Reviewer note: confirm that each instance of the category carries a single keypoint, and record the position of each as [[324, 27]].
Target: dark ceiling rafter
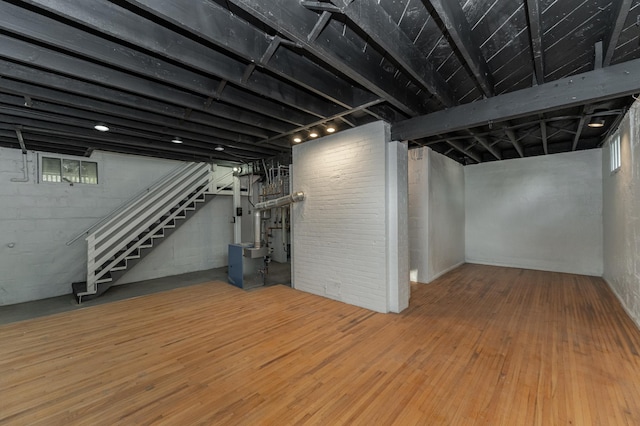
[[535, 34], [249, 74], [220, 27], [120, 25], [296, 22], [52, 109], [620, 12], [611, 82], [458, 29], [372, 19], [74, 92]]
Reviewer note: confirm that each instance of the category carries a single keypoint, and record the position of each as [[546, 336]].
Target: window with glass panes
[[69, 171]]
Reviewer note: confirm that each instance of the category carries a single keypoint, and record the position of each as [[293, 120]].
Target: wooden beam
[[456, 24], [543, 134], [576, 138], [458, 146], [515, 142], [485, 143], [620, 14], [593, 86], [535, 33], [374, 21], [296, 22]]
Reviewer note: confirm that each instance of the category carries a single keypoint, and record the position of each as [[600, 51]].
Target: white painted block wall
[[38, 219], [436, 214], [539, 213], [340, 231], [621, 216]]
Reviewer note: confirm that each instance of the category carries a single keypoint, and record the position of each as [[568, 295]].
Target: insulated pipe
[[265, 205], [257, 223], [279, 202]]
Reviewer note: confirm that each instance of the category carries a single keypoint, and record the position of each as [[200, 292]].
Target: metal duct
[[265, 205]]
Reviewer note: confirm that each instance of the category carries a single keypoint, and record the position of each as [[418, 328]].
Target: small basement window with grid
[[614, 153], [69, 171]]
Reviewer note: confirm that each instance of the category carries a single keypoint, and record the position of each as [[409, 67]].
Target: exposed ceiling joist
[[457, 26], [295, 21], [220, 27], [535, 33], [161, 41], [466, 151], [593, 86], [515, 142], [487, 145], [372, 19], [620, 13]]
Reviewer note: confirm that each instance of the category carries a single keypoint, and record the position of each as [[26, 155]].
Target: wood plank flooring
[[480, 346]]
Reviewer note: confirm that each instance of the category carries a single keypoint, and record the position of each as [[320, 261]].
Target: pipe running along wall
[[265, 205]]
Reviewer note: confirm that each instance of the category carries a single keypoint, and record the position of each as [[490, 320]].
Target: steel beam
[[593, 86]]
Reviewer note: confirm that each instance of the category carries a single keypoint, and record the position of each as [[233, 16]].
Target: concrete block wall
[[38, 219], [621, 218], [436, 214], [538, 213], [340, 232]]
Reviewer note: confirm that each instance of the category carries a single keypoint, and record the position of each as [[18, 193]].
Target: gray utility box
[[245, 264]]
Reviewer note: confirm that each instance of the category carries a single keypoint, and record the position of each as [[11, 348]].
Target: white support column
[[237, 225]]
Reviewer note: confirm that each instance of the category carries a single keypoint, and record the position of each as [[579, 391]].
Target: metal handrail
[[145, 216], [169, 176]]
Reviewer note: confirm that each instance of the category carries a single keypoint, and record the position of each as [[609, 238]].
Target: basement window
[[614, 153], [67, 170]]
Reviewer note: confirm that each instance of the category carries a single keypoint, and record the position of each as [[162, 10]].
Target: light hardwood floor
[[482, 345]]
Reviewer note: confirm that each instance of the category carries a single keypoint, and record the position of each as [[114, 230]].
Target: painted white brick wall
[[621, 218], [39, 218], [539, 213], [340, 230]]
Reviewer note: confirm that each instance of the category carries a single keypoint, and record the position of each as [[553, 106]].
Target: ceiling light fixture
[[297, 139], [331, 129], [313, 134], [101, 127], [219, 148], [596, 122], [176, 140]]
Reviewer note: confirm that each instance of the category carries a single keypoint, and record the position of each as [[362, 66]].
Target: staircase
[[125, 237]]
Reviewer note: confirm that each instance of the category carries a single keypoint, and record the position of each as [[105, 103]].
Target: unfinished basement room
[[332, 212]]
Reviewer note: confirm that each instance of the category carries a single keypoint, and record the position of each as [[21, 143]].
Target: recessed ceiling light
[[297, 139], [596, 122], [176, 140], [313, 134], [219, 148], [101, 127], [331, 129]]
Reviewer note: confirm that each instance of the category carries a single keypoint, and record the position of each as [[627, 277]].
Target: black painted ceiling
[[250, 75]]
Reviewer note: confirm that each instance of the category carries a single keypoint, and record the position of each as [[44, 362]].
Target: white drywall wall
[[419, 215], [621, 214], [446, 215], [38, 219], [539, 212], [340, 232], [436, 214]]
